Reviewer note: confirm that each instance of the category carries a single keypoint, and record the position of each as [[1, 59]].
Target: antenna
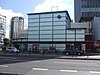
[[54, 8]]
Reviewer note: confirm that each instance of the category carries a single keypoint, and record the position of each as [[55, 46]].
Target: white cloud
[[9, 14], [54, 5]]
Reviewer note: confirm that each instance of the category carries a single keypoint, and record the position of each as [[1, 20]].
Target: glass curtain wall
[[48, 27], [75, 35], [45, 27]]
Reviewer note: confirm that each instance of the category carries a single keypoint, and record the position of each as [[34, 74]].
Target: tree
[[6, 41]]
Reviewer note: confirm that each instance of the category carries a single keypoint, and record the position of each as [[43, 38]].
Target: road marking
[[73, 63], [35, 61], [3, 65], [40, 69], [69, 71], [96, 72], [62, 62]]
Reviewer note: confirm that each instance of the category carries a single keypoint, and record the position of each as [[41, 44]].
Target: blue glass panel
[[59, 23], [71, 39], [46, 24], [33, 24], [80, 39], [33, 20], [45, 15], [45, 32], [58, 39], [71, 36], [45, 36], [33, 16], [46, 28], [59, 27], [80, 31], [45, 39], [45, 19], [33, 36], [58, 36], [33, 28], [80, 36], [58, 31]]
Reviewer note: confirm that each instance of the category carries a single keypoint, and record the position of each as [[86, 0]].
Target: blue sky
[[11, 8], [20, 6]]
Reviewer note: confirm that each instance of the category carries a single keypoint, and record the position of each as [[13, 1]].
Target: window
[[71, 36], [45, 39], [80, 40], [80, 36], [33, 32], [58, 39], [45, 28], [45, 19], [45, 15], [32, 39], [45, 36], [46, 24], [33, 24], [33, 20], [70, 31], [33, 16], [58, 36], [69, 39], [33, 36], [45, 32], [59, 27], [58, 31], [59, 23], [33, 28], [80, 31]]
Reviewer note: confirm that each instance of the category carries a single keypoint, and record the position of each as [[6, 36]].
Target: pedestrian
[[56, 52], [29, 51], [43, 52], [4, 49]]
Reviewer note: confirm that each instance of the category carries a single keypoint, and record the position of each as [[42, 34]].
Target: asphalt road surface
[[46, 66]]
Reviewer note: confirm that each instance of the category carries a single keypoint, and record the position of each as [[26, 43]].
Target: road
[[48, 66]]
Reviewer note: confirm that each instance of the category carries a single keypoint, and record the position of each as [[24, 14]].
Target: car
[[75, 51], [12, 49]]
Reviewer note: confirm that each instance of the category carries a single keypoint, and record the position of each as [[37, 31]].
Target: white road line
[[40, 69], [3, 65], [35, 61], [69, 71], [63, 62], [96, 72]]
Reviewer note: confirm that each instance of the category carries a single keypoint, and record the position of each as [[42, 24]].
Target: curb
[[48, 56], [80, 58]]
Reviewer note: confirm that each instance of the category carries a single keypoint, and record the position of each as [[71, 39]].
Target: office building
[[17, 24], [86, 10], [52, 30], [96, 30], [2, 27]]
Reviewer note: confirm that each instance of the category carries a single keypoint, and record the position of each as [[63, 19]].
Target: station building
[[52, 31]]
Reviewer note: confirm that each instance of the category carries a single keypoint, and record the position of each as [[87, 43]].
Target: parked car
[[12, 49], [75, 51]]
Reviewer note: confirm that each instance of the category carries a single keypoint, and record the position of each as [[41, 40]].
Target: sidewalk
[[59, 56], [96, 57]]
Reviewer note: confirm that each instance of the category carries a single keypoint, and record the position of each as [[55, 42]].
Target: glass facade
[[52, 27], [75, 34], [85, 10], [48, 26]]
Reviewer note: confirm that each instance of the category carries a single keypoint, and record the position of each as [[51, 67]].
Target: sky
[[10, 8]]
